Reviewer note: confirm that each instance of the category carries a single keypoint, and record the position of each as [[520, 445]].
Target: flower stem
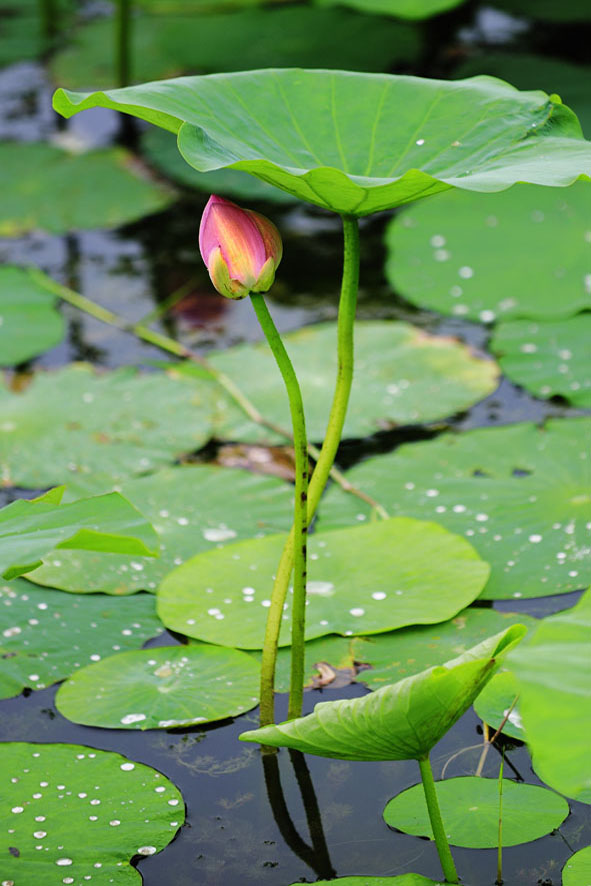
[[336, 420], [445, 856], [300, 521], [122, 41]]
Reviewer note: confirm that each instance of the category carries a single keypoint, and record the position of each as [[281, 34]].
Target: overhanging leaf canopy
[[358, 143], [398, 722]]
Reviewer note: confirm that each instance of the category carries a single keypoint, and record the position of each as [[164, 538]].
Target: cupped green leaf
[[159, 147], [358, 143], [402, 721], [45, 188], [470, 810], [520, 494], [522, 253], [45, 635], [577, 870], [554, 674], [411, 9], [162, 688], [364, 580], [29, 322], [90, 811], [549, 359], [402, 376], [31, 528], [193, 508], [181, 42], [117, 424], [497, 705], [410, 650]]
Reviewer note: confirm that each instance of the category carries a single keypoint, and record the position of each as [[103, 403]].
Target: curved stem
[[443, 850], [336, 420], [299, 529]]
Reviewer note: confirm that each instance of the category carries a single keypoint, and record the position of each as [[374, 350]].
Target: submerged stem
[[299, 529], [336, 420], [443, 850]]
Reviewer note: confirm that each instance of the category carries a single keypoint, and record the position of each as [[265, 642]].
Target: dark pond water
[[285, 818]]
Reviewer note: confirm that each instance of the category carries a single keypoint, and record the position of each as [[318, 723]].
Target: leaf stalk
[[443, 850]]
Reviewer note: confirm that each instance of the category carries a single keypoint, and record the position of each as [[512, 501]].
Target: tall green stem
[[336, 420], [300, 520], [445, 856], [122, 41]]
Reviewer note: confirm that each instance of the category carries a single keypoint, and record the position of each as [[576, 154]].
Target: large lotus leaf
[[89, 811], [537, 72], [357, 143], [496, 705], [402, 721], [76, 421], [521, 494], [161, 688], [363, 580], [554, 674], [177, 43], [159, 147], [29, 529], [548, 359], [577, 870], [470, 810], [548, 10], [29, 323], [402, 376], [193, 508], [45, 188], [410, 9], [410, 650], [403, 880], [525, 252], [46, 635]]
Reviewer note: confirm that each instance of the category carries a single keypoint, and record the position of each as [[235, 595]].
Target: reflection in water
[[316, 855]]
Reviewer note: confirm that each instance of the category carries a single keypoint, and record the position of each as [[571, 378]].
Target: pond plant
[[353, 144]]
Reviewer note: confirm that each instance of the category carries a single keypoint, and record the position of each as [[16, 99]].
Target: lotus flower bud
[[241, 248]]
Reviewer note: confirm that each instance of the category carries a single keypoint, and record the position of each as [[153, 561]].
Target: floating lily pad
[[177, 43], [45, 188], [497, 702], [410, 650], [548, 359], [402, 721], [537, 72], [31, 528], [470, 811], [162, 688], [76, 421], [520, 494], [577, 870], [358, 143], [91, 811], [363, 580], [194, 508], [402, 376], [554, 674], [526, 252], [160, 149], [29, 322], [411, 9], [45, 635]]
